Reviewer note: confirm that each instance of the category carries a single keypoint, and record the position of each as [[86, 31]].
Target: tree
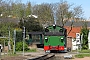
[[85, 31], [28, 9], [31, 24], [54, 8], [44, 13], [10, 8], [4, 28], [66, 12], [63, 13], [77, 12], [20, 10]]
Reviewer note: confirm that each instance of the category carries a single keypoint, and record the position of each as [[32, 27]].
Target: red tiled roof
[[73, 31]]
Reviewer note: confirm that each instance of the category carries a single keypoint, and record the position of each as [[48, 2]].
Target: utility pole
[[4, 48], [23, 39], [14, 41], [9, 46]]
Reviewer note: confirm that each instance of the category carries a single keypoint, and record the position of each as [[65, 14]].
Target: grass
[[79, 56], [9, 55], [82, 55], [30, 50], [84, 51]]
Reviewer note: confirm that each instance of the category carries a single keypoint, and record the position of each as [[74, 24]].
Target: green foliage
[[31, 24], [4, 31], [5, 27], [85, 31], [19, 46], [28, 9], [19, 35], [2, 40]]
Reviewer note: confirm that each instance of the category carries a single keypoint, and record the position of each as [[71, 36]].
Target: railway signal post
[[23, 39]]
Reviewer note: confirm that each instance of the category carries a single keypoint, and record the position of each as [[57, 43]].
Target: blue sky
[[84, 3]]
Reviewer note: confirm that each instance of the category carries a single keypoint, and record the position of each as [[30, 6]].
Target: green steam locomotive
[[55, 38]]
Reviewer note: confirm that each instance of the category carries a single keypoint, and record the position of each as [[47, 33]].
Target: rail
[[44, 57]]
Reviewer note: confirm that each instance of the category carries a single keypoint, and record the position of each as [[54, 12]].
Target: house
[[71, 33], [77, 26], [89, 40]]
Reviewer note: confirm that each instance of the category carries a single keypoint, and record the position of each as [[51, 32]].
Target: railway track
[[48, 56]]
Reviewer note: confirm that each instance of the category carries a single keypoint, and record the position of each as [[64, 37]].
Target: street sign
[[77, 41], [78, 38], [77, 35]]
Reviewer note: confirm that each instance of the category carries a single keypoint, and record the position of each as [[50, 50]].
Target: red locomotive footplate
[[53, 47]]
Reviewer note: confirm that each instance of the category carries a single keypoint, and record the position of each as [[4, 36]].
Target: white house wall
[[89, 40], [74, 46]]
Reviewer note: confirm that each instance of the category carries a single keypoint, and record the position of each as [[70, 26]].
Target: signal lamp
[[45, 27], [46, 39], [54, 26], [61, 39]]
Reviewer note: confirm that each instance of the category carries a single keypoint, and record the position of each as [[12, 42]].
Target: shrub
[[19, 46]]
